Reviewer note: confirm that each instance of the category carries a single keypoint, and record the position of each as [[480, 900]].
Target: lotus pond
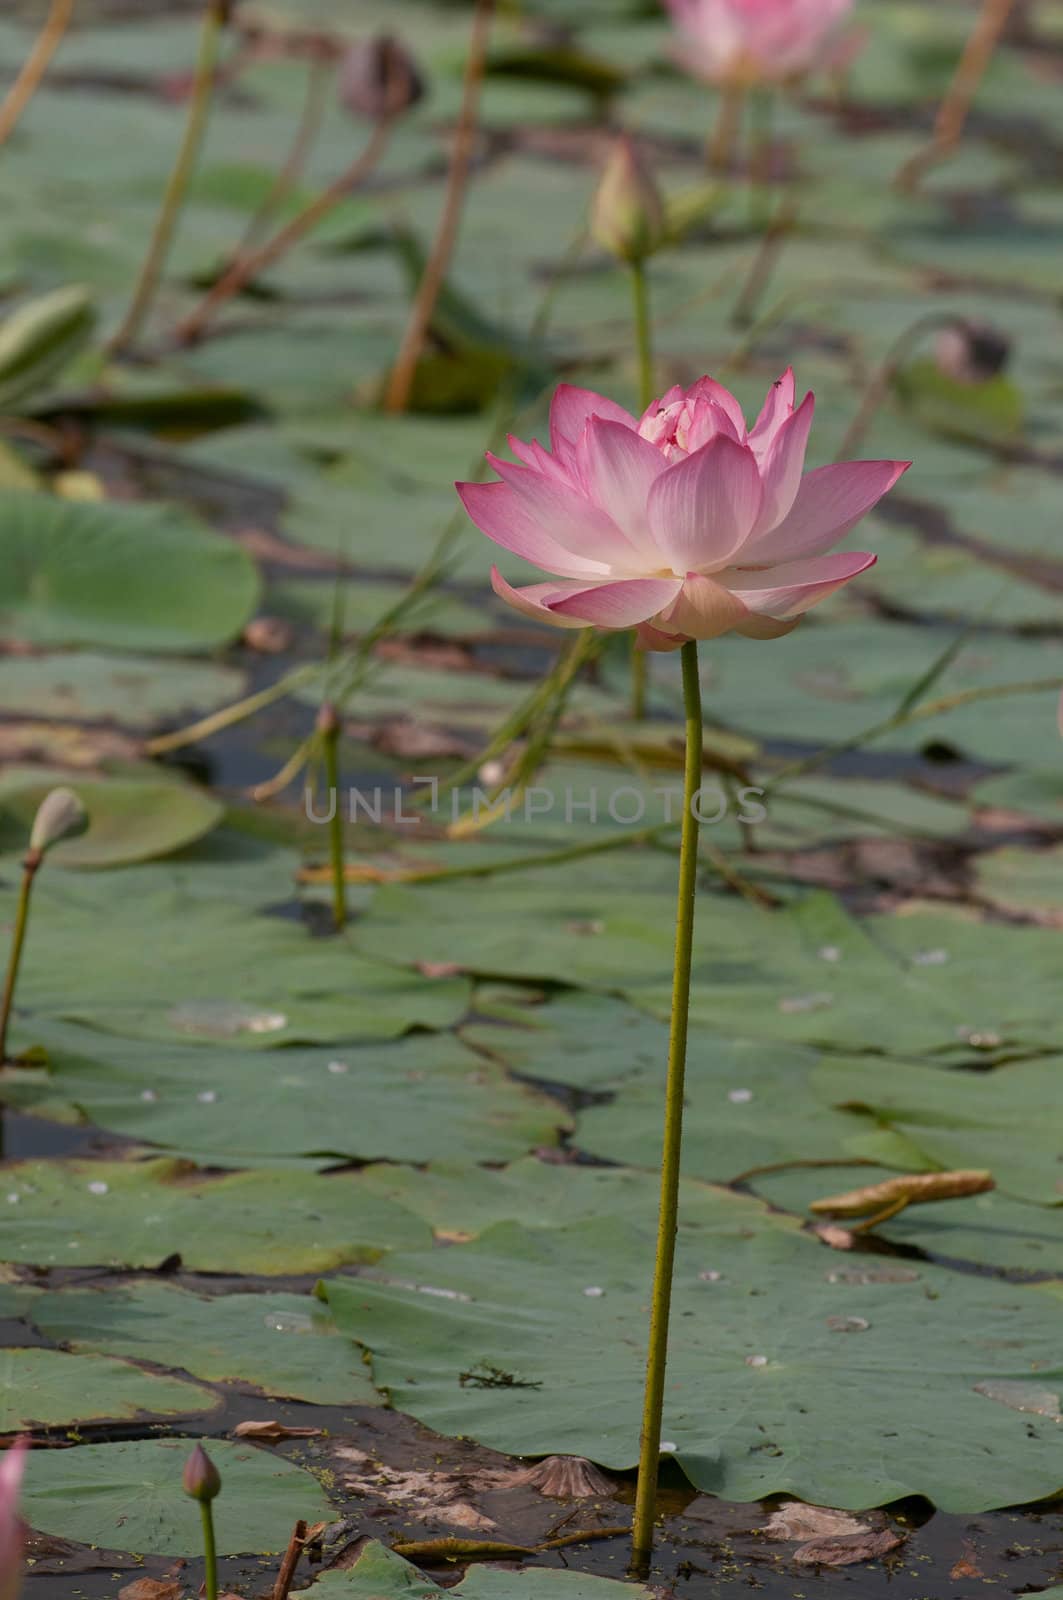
[[334, 1079]]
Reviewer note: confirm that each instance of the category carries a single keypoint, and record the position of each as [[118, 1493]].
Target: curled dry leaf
[[796, 1520], [150, 1589], [270, 1432], [844, 1552]]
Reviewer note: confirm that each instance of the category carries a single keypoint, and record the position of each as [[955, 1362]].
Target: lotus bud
[[627, 213], [972, 352], [201, 1479], [379, 78], [60, 816]]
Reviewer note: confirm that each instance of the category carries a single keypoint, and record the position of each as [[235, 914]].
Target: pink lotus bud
[[379, 78], [972, 352], [627, 214], [12, 1531], [201, 1479]]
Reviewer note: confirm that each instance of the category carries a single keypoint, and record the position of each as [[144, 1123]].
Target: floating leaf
[[129, 819], [128, 1496], [119, 576], [47, 1388]]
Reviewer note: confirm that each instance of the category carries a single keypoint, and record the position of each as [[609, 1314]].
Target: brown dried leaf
[[796, 1520], [270, 1432], [843, 1552], [149, 1589]]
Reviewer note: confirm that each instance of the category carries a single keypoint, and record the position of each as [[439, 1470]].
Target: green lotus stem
[[657, 1356], [328, 726], [214, 19], [761, 119], [29, 78], [209, 1551], [18, 939], [643, 341]]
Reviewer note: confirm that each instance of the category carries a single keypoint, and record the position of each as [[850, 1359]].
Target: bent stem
[[209, 1551], [400, 383], [640, 300], [173, 199], [249, 266], [956, 106], [18, 939], [650, 1444], [36, 65]]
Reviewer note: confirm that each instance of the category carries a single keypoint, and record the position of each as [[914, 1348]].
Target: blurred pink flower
[[12, 1532], [748, 41], [684, 524]]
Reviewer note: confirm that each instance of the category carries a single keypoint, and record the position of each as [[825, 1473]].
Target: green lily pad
[[1022, 880], [460, 1202], [139, 1213], [47, 1388], [411, 1100], [283, 1344], [379, 1574], [128, 1496], [138, 692], [129, 819], [770, 1334], [208, 968], [119, 576]]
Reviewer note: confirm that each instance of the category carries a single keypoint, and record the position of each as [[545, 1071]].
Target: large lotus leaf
[[47, 1388], [1009, 1120], [990, 1230], [411, 1100], [808, 972], [168, 956], [791, 1369], [1038, 792], [119, 576], [129, 818], [946, 581], [140, 1213], [460, 1202], [137, 692], [284, 1344], [128, 1496], [379, 1574]]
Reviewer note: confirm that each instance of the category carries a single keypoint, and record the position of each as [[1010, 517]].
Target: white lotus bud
[[60, 815]]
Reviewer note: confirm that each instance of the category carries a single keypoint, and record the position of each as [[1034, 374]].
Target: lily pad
[[137, 692], [379, 1574], [47, 1388], [128, 1496], [283, 1344], [410, 1100], [119, 576], [769, 1338], [140, 1213], [129, 819]]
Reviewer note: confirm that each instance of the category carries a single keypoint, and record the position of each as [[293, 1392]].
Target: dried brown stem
[[290, 1562], [35, 66], [245, 268], [956, 106], [400, 383]]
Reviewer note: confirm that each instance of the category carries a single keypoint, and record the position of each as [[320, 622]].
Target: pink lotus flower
[[683, 524], [746, 41], [12, 1532]]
